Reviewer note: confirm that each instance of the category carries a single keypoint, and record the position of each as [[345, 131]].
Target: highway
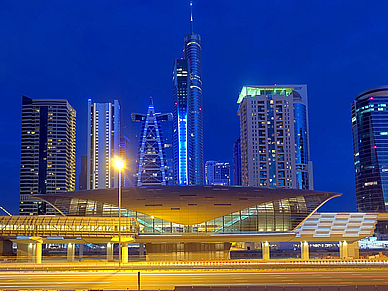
[[169, 279]]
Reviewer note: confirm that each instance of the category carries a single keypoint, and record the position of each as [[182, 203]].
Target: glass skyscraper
[[217, 173], [237, 163], [47, 152], [188, 115], [103, 144], [274, 136], [370, 144]]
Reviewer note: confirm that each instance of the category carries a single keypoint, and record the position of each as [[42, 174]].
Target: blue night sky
[[104, 50]]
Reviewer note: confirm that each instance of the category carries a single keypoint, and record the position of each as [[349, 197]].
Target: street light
[[119, 164]]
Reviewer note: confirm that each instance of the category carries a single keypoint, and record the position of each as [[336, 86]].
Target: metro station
[[187, 222]]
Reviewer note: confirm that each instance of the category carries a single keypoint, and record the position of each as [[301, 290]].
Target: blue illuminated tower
[[188, 115], [152, 160]]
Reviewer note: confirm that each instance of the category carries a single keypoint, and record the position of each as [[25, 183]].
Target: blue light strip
[[182, 141]]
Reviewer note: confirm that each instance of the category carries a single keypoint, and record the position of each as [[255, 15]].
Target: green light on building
[[254, 91]]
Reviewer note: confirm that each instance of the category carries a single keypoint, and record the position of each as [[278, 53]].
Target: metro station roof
[[189, 205]]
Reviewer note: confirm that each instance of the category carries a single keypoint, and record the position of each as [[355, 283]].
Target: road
[[168, 280]]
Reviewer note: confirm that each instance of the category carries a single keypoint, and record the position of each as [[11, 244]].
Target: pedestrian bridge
[[66, 226]]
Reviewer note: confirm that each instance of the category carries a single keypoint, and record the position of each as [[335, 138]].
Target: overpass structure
[[30, 232], [189, 222]]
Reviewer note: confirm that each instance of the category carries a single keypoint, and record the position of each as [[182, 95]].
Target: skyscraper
[[125, 156], [370, 144], [152, 164], [274, 136], [188, 115], [237, 163], [217, 173], [83, 175], [103, 144], [47, 152]]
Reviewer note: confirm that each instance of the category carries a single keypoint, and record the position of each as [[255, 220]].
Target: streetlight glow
[[119, 164]]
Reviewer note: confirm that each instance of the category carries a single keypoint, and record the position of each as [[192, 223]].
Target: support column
[[343, 246], [109, 251], [124, 252], [141, 250], [265, 250], [70, 252], [304, 250], [80, 251], [353, 250], [38, 253]]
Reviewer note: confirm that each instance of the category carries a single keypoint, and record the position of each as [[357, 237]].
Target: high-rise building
[[152, 166], [237, 163], [125, 156], [83, 175], [370, 144], [274, 136], [188, 114], [217, 173], [103, 144], [47, 152]]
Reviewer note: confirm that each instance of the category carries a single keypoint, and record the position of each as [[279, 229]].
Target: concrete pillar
[[5, 247], [343, 246], [304, 250], [70, 252], [109, 251], [353, 250], [124, 252], [141, 250], [265, 250], [80, 251], [38, 253]]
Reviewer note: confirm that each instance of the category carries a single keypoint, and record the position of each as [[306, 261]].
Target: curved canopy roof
[[188, 205]]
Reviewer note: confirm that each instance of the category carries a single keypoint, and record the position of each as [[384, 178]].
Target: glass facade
[[47, 152], [237, 163], [370, 144], [301, 143], [188, 115], [180, 138], [193, 54], [275, 216]]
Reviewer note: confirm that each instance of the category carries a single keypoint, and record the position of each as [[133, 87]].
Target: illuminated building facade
[[103, 144], [188, 116], [274, 136], [370, 144], [125, 156], [47, 152], [82, 177], [152, 166], [217, 173], [237, 163]]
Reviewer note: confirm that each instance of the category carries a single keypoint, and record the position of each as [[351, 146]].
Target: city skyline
[[329, 123]]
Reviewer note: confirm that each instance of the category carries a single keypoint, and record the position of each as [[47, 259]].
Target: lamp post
[[119, 165]]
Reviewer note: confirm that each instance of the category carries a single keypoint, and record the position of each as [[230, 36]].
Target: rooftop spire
[[191, 17]]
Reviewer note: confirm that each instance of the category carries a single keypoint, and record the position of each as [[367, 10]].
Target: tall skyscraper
[[125, 155], [370, 144], [237, 180], [274, 136], [217, 173], [83, 175], [47, 152], [103, 144], [188, 115], [152, 164]]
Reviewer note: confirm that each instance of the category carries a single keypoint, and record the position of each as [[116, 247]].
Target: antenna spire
[[191, 17]]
